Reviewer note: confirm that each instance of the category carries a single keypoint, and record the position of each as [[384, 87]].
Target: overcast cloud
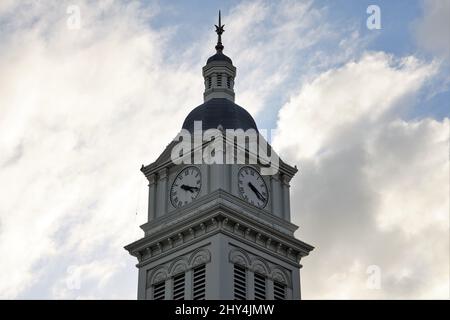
[[81, 110], [373, 188], [433, 29]]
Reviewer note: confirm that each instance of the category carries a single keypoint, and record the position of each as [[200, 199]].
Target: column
[[214, 80], [217, 169], [269, 292], [271, 191], [214, 276], [277, 200], [151, 197], [227, 177], [293, 292], [142, 285], [250, 284], [188, 285], [234, 179], [286, 198], [204, 169], [161, 203], [169, 289]]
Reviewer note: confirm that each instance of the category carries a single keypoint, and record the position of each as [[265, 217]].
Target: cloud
[[433, 29], [372, 188], [280, 45], [81, 110], [377, 83], [84, 108]]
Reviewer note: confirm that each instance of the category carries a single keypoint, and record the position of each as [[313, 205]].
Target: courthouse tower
[[218, 231]]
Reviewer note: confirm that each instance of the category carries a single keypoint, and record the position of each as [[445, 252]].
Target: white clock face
[[252, 187], [186, 186]]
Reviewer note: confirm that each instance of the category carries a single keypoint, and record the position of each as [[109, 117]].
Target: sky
[[91, 90]]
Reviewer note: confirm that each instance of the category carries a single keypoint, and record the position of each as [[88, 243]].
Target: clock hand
[[258, 194], [188, 188]]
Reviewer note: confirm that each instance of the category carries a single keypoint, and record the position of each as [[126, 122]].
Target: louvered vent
[[159, 291], [219, 80], [178, 287], [199, 283], [260, 287], [279, 291], [209, 82], [229, 82], [240, 283]]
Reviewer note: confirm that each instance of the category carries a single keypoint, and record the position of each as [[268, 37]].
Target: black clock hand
[[188, 188], [258, 194]]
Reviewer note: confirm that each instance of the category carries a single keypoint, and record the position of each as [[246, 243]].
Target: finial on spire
[[219, 31]]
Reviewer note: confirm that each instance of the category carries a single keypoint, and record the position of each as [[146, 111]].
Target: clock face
[[252, 187], [186, 186]]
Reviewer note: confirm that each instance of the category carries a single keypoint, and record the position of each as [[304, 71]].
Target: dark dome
[[219, 56], [220, 111]]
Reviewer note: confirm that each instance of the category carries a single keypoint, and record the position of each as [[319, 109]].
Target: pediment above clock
[[164, 160]]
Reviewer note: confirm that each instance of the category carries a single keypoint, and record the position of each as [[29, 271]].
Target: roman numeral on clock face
[[252, 187], [186, 186]]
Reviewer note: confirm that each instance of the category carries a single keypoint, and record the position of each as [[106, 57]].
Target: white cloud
[[81, 111], [89, 280], [372, 188], [277, 44], [84, 108], [433, 29], [377, 83]]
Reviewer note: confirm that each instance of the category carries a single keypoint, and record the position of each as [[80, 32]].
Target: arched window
[[178, 286], [260, 286], [199, 283], [240, 283], [159, 290], [279, 290]]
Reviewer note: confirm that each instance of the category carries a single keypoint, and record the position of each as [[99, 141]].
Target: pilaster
[[151, 197], [286, 197], [162, 192]]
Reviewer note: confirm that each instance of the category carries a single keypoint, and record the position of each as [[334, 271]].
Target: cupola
[[219, 72]]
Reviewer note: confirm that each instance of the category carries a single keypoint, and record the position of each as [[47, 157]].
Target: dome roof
[[219, 56], [220, 111]]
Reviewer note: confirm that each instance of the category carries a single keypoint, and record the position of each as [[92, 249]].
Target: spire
[[219, 72], [219, 31]]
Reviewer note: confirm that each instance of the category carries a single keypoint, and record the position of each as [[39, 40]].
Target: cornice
[[272, 242]]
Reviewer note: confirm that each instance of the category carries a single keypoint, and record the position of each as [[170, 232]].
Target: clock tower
[[219, 219]]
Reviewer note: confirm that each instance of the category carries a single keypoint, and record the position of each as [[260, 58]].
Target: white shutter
[[240, 283], [279, 290], [159, 291], [199, 283], [260, 287], [178, 286]]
